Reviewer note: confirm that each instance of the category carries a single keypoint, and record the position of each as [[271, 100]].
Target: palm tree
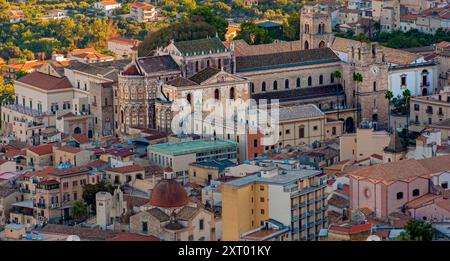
[[337, 75], [388, 95], [407, 95], [79, 210], [358, 78]]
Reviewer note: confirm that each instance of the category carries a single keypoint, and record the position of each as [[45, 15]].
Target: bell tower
[[366, 75], [315, 27]]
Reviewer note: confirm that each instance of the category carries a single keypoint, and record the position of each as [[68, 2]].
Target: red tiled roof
[[80, 138], [143, 5], [42, 173], [14, 153], [45, 82], [125, 236], [410, 17], [126, 169], [377, 156], [96, 163], [351, 229], [345, 190], [70, 149], [42, 149]]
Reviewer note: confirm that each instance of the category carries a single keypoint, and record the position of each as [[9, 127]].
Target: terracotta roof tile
[[45, 82], [125, 236], [80, 138], [42, 149], [69, 149], [126, 169]]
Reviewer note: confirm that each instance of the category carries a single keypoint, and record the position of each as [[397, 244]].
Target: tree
[[90, 190], [253, 34], [291, 27], [417, 230], [79, 210], [6, 92], [358, 78], [388, 96]]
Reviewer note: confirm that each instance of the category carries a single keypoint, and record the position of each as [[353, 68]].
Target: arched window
[[189, 98], [298, 82], [321, 79], [399, 195], [196, 66], [306, 45], [216, 94], [275, 85], [332, 78], [416, 192], [208, 63], [263, 86], [286, 84], [309, 81], [374, 86], [232, 93]]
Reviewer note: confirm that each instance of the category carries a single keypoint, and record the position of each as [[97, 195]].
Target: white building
[[107, 7], [142, 12]]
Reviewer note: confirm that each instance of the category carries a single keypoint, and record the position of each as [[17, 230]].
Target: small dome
[[168, 194]]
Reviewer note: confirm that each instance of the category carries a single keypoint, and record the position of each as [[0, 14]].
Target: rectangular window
[[301, 132], [416, 107], [262, 211], [201, 224]]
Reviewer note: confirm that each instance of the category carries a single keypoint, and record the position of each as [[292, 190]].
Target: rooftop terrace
[[194, 146]]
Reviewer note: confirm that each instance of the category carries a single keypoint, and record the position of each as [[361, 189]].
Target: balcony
[[41, 205], [24, 190], [440, 114], [429, 111], [54, 205]]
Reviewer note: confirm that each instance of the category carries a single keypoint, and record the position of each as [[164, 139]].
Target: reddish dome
[[168, 194]]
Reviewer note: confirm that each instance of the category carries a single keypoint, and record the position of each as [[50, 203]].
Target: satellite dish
[[73, 238], [373, 238]]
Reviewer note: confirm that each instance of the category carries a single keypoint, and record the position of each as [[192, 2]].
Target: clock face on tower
[[375, 70]]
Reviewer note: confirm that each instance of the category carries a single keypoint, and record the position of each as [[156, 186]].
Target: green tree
[[417, 230], [79, 210], [388, 96], [291, 27], [253, 34], [90, 190], [357, 78]]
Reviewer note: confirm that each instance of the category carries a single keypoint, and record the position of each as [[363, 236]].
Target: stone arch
[[322, 44], [349, 125], [424, 91], [306, 45], [216, 94]]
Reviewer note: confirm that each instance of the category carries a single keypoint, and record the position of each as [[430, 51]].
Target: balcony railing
[[41, 205], [24, 190]]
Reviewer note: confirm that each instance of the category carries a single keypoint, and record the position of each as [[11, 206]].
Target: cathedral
[[346, 79]]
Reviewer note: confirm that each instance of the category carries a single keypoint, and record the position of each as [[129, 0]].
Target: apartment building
[[427, 110], [294, 198], [142, 12]]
